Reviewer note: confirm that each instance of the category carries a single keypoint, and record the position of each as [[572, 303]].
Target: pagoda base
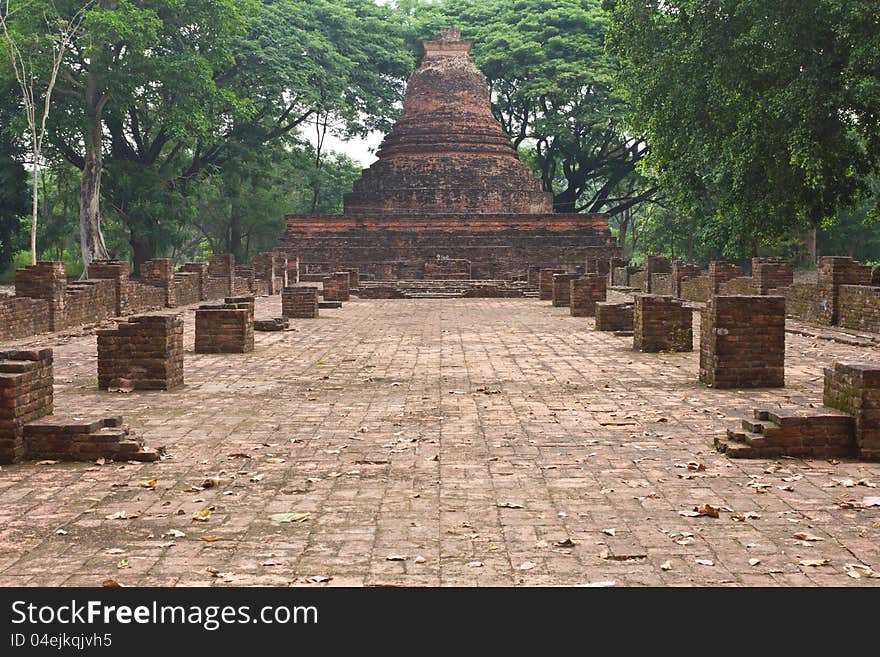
[[500, 247]]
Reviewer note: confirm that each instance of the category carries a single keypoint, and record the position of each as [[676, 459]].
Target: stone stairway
[[819, 433]]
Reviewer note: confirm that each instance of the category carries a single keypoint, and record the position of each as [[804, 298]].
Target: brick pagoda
[[447, 184]]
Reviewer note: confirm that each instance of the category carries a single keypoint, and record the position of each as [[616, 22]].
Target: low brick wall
[[585, 292], [299, 302], [26, 394], [854, 388], [661, 284], [186, 289], [146, 350], [859, 307], [562, 289], [380, 292], [661, 323], [771, 274], [739, 286], [742, 342], [614, 316], [89, 302], [721, 271], [21, 317], [83, 440], [138, 298], [810, 302], [217, 287], [697, 289], [639, 280]]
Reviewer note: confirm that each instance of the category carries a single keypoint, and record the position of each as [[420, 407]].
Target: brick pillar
[[742, 342], [299, 302], [854, 388], [225, 328], [222, 265], [265, 269], [835, 271], [147, 350], [680, 272], [336, 287], [562, 289], [545, 283], [661, 323], [614, 316], [159, 272], [26, 380], [45, 280], [354, 278], [585, 292], [721, 271], [201, 269], [533, 274], [771, 274], [655, 265], [117, 271]]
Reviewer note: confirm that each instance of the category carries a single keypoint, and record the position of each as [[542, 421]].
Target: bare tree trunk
[[91, 237], [34, 210]]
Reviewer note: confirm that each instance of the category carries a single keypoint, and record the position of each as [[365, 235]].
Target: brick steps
[[75, 440], [769, 434]]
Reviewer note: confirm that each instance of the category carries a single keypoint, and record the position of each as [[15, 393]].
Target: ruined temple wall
[[859, 307], [22, 316]]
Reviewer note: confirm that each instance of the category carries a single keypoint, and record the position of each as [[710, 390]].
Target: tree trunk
[[565, 201], [233, 243], [140, 252], [91, 237], [34, 209]]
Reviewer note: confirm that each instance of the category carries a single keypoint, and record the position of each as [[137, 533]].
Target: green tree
[[763, 114]]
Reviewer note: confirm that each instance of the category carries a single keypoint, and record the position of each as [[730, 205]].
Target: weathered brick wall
[[186, 289], [661, 323], [200, 269], [661, 284], [741, 286], [354, 278], [721, 271], [45, 280], [655, 264], [533, 275], [83, 440], [159, 272], [639, 280], [843, 270], [742, 342], [147, 350], [222, 265], [545, 283], [301, 302], [116, 271], [448, 269], [224, 328], [136, 297], [771, 273], [23, 316], [266, 269], [90, 301], [680, 271], [810, 302], [816, 434], [697, 288], [858, 307], [241, 285], [562, 289], [217, 287], [854, 388], [620, 276], [612, 316], [26, 394], [585, 292], [336, 287]]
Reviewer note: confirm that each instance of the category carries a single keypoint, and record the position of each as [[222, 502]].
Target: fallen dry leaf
[[666, 565], [202, 516], [510, 505], [806, 536], [290, 517], [754, 562], [611, 531], [814, 562], [123, 515], [396, 557], [704, 562], [527, 565], [149, 484]]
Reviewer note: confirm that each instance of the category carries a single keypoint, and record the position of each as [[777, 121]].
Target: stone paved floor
[[438, 442]]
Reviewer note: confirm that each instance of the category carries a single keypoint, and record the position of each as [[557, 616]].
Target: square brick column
[[336, 286], [661, 323], [222, 265], [26, 380], [45, 280], [533, 275], [115, 270], [159, 272], [585, 292], [354, 278], [742, 342], [562, 289], [771, 274], [612, 316], [147, 350], [854, 388], [545, 283], [835, 271], [201, 269], [680, 272], [226, 328], [655, 265], [721, 271], [299, 302], [266, 269]]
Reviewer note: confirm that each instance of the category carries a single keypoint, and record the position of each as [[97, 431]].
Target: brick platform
[[807, 433], [562, 289], [742, 342], [336, 287], [299, 302], [585, 292], [661, 323], [84, 440], [854, 388], [225, 328], [612, 316], [146, 350], [545, 283]]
